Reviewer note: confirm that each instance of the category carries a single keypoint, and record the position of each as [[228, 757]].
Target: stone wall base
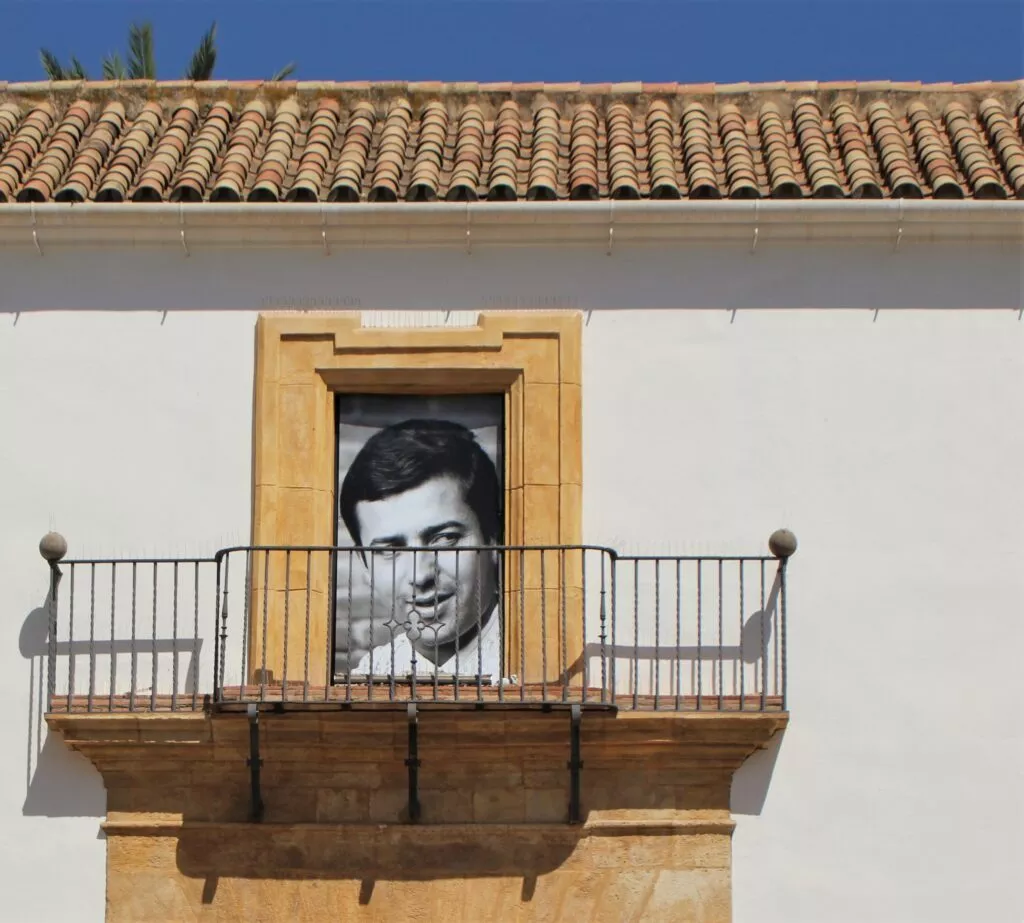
[[166, 872]]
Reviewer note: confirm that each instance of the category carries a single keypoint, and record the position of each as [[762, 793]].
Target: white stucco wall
[[776, 394]]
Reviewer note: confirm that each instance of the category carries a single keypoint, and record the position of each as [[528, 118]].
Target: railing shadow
[[58, 781]]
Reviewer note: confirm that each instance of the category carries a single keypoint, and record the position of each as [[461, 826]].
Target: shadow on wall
[[752, 780], [59, 782]]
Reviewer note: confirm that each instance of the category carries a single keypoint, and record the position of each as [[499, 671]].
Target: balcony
[[321, 628]]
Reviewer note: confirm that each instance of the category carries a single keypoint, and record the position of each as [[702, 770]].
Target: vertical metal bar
[[782, 625], [742, 666], [763, 649], [348, 631], [543, 629], [583, 617], [71, 642], [563, 653], [721, 691], [373, 608], [113, 633], [413, 665], [133, 651], [330, 653], [615, 655], [457, 668], [657, 633], [636, 633], [287, 621], [220, 667], [679, 631], [51, 639], [499, 614], [522, 627], [775, 640], [266, 601], [92, 634], [479, 636], [603, 616], [700, 631], [174, 643], [152, 691], [437, 651], [393, 626], [331, 604], [195, 636], [248, 631]]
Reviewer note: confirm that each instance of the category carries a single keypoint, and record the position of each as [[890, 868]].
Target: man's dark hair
[[408, 454]]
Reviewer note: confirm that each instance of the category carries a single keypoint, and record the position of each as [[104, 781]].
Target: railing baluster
[[499, 614], [348, 631], [636, 633], [330, 651], [543, 629], [742, 666], [583, 619], [71, 641], [113, 636], [266, 614], [679, 635], [152, 691], [615, 653], [763, 648], [195, 637], [522, 626], [287, 621], [373, 607], [92, 636], [329, 626], [782, 627], [657, 633], [563, 653], [219, 667], [603, 616], [700, 632], [132, 650], [721, 690], [174, 647]]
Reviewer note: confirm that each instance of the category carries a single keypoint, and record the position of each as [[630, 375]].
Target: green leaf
[[113, 67], [54, 69], [284, 73], [77, 71], [204, 58], [141, 62]]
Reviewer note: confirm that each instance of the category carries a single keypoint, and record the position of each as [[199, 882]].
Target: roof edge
[[607, 224]]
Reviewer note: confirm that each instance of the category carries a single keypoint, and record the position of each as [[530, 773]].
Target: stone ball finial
[[53, 546], [782, 543]]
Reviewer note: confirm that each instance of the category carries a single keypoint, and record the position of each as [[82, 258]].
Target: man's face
[[444, 591]]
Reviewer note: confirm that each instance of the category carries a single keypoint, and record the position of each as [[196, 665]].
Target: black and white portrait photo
[[420, 497]]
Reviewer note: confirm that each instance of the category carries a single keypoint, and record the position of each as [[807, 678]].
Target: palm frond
[[76, 71], [113, 67], [284, 73], [141, 62], [54, 69], [204, 58]]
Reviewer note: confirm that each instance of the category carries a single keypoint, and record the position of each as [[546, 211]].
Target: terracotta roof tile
[[169, 151], [1006, 141], [348, 142], [316, 152], [347, 183], [506, 145]]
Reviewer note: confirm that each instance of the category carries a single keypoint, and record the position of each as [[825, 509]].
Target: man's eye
[[385, 553], [447, 539]]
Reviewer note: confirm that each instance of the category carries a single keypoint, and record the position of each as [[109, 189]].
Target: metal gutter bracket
[[181, 222], [413, 762], [35, 234], [575, 764], [254, 763], [753, 243]]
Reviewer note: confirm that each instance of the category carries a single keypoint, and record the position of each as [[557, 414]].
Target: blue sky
[[595, 41]]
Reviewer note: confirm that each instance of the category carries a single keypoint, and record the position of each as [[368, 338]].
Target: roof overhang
[[606, 224]]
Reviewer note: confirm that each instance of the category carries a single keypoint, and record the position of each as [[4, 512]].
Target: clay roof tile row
[[232, 142]]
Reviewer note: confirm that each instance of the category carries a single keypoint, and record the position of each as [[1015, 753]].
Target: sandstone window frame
[[302, 360]]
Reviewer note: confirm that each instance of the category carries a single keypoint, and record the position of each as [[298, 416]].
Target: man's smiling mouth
[[423, 604]]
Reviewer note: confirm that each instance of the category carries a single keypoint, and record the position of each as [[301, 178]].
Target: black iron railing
[[323, 626]]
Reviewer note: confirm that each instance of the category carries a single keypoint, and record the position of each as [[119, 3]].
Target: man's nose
[[419, 570]]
